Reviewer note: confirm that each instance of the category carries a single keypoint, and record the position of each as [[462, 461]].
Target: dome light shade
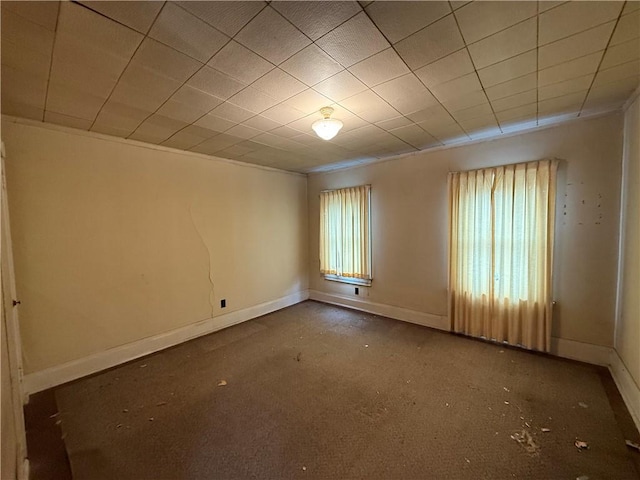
[[328, 127]]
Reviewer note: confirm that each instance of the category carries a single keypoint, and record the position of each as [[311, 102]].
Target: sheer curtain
[[501, 250], [345, 232]]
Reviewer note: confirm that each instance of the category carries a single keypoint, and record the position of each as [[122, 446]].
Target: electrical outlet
[[357, 291], [223, 303]]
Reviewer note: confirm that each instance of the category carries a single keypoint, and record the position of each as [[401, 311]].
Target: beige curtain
[[501, 249], [345, 232]]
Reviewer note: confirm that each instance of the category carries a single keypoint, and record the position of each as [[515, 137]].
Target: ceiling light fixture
[[328, 127]]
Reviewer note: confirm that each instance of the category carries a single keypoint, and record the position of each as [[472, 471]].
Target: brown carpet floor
[[316, 391]]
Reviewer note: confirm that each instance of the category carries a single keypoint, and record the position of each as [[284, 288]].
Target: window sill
[[349, 280]]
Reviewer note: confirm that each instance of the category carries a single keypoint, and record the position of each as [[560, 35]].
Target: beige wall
[[409, 208], [628, 328], [115, 242]]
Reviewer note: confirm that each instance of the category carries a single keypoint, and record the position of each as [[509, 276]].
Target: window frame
[[365, 282]]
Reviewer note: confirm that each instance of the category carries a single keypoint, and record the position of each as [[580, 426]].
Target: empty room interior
[[324, 239]]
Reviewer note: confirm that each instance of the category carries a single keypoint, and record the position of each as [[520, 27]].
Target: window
[[345, 234], [501, 250]]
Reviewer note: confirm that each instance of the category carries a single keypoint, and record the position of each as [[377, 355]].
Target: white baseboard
[[628, 388], [66, 372], [441, 322], [583, 352]]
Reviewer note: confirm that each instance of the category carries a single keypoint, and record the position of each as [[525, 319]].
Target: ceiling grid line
[[245, 80], [475, 69], [538, 63], [145, 36], [53, 46], [204, 65], [595, 74], [418, 78]]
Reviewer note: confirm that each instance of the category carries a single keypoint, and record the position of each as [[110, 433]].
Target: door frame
[[11, 319]]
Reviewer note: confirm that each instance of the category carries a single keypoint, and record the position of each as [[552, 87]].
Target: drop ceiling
[[245, 80]]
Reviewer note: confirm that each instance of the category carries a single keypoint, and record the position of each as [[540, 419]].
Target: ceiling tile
[[91, 28], [529, 110], [370, 107], [187, 33], [22, 88], [189, 137], [506, 44], [475, 124], [311, 65], [517, 85], [619, 72], [279, 85], [283, 114], [478, 20], [143, 95], [565, 104], [44, 13], [110, 130], [195, 98], [565, 88], [406, 94], [67, 121], [82, 66], [513, 101], [231, 112], [618, 54], [431, 43], [215, 83], [465, 101], [31, 63], [398, 23], [286, 132], [351, 121], [612, 93], [574, 17], [545, 5], [215, 144], [272, 37], [509, 69], [253, 100], [228, 17], [630, 7], [457, 87], [308, 101], [394, 123], [177, 110], [165, 61], [431, 116], [628, 28], [29, 37], [414, 135], [120, 116], [215, 123], [575, 46], [243, 131], [262, 123], [316, 18], [340, 86], [137, 15], [481, 110], [353, 41], [449, 133], [156, 129], [452, 66], [148, 80], [72, 102], [380, 68], [240, 63], [571, 69]]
